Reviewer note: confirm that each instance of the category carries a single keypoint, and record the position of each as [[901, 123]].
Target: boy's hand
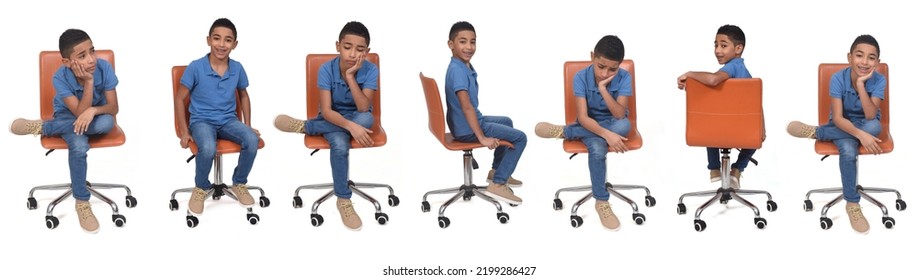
[[361, 134], [82, 123], [80, 71], [681, 81], [491, 143], [356, 66], [870, 143], [861, 80], [615, 142], [605, 82], [257, 133], [184, 139]]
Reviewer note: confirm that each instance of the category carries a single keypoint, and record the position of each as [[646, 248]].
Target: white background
[[521, 49]]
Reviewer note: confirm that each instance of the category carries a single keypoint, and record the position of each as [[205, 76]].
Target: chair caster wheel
[[382, 218], [316, 220], [699, 225], [130, 201], [52, 222], [808, 205], [650, 201], [826, 223], [576, 221], [263, 202], [901, 205], [444, 222], [771, 206], [759, 222], [393, 200], [503, 218], [639, 218], [425, 207], [253, 219], [119, 220], [681, 209], [173, 205], [191, 221], [557, 204], [32, 204], [888, 222], [298, 202]]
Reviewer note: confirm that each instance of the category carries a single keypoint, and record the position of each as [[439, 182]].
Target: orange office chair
[[575, 147], [218, 188], [437, 125], [825, 148], [49, 63], [729, 115], [318, 142]]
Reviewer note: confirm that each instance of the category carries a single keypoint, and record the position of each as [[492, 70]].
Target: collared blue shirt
[[66, 85], [841, 87], [585, 86], [213, 97], [342, 99], [736, 69], [460, 77]]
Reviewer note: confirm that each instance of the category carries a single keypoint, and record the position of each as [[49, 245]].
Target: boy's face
[[604, 68], [863, 59], [725, 49], [463, 45], [350, 49], [221, 42], [83, 54]]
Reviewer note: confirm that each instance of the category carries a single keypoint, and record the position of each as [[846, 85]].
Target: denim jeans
[[714, 159], [848, 152], [505, 161], [77, 145], [597, 148], [339, 145], [205, 136]]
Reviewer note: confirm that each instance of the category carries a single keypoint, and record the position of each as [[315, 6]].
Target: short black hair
[[734, 33], [223, 22], [865, 39], [460, 26], [610, 47], [355, 28], [69, 39]]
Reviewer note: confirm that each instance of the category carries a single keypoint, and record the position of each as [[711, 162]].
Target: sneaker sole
[[716, 179], [614, 229], [91, 232], [502, 199], [509, 185], [196, 215]]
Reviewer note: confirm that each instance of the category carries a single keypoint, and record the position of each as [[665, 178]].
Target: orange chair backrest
[[826, 71], [177, 72], [729, 115], [436, 121], [48, 63], [313, 62], [571, 109]]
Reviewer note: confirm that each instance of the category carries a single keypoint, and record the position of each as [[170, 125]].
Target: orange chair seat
[[453, 145], [319, 142], [112, 139], [828, 148]]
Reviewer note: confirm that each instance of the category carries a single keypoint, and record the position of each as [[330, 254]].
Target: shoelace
[[557, 131], [34, 128], [198, 194], [295, 125], [346, 208], [240, 190], [84, 210], [855, 212], [606, 211]]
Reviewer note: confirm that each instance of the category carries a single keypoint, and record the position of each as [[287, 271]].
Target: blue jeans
[[597, 148], [340, 145], [205, 136], [505, 161], [848, 152], [77, 145], [714, 158]]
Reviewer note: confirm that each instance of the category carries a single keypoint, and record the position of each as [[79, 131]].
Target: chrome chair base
[[827, 223], [577, 221], [52, 221], [316, 219]]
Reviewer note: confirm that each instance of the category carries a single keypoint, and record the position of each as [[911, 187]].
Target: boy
[[729, 45], [347, 85], [214, 82], [467, 124], [855, 115], [602, 91], [85, 104]]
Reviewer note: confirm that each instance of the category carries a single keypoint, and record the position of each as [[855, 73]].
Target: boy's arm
[[867, 140], [473, 120], [358, 132], [365, 96], [617, 107], [184, 136], [706, 78], [870, 104], [612, 139], [246, 108]]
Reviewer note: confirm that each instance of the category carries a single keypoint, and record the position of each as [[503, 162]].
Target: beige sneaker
[[87, 220], [503, 193], [735, 178], [607, 217], [287, 123], [548, 130], [859, 224], [348, 216], [511, 182], [242, 195], [715, 175], [801, 130], [25, 127], [196, 202]]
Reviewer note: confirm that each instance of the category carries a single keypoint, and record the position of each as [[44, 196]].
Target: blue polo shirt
[[841, 87], [460, 77], [213, 97], [66, 85], [736, 69], [585, 86], [342, 99]]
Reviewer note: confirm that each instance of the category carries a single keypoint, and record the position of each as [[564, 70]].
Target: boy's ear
[[738, 49], [450, 44], [592, 55]]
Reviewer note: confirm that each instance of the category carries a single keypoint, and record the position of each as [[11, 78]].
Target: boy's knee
[[103, 123], [364, 119], [78, 146], [872, 127], [206, 150]]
